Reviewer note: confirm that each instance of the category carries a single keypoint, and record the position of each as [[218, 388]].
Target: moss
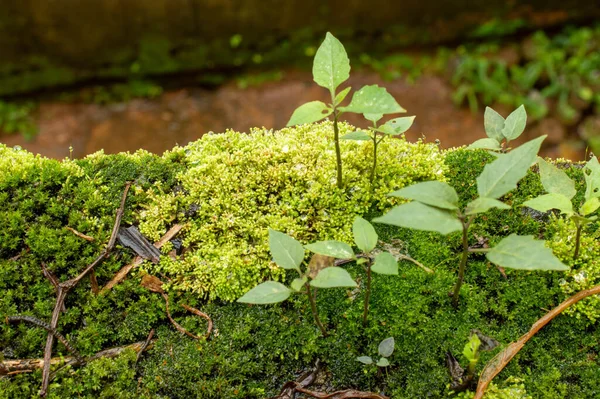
[[255, 349]]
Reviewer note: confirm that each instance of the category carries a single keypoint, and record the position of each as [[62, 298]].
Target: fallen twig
[[9, 367], [63, 288], [500, 361], [146, 343], [121, 274], [78, 234]]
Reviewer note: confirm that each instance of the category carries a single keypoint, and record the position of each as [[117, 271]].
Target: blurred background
[[80, 76]]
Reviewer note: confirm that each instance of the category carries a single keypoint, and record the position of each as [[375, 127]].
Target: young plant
[[462, 379], [561, 190], [377, 133], [501, 131], [320, 272], [386, 348], [331, 67], [435, 207]]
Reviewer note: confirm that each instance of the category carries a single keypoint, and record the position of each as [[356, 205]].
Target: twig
[[63, 288], [144, 346], [94, 283], [499, 361], [346, 394], [121, 274], [9, 367], [80, 235], [416, 262], [47, 327]]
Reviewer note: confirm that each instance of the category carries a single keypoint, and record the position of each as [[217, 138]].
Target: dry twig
[[80, 235]]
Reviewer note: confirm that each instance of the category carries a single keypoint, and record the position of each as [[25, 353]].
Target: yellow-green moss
[[238, 185]]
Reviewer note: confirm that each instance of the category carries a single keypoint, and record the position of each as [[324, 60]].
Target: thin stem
[[368, 293], [463, 263], [374, 158], [338, 154], [313, 308], [577, 241]]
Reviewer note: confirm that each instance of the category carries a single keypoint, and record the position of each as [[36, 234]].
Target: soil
[[184, 115]]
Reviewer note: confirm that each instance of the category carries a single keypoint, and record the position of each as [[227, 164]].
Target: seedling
[[320, 272], [331, 68], [461, 378], [377, 134], [435, 208], [561, 190], [501, 131], [386, 348]]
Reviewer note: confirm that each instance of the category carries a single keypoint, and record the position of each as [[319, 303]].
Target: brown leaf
[[318, 263], [152, 283]]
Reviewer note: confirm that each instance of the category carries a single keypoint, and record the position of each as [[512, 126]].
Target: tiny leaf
[[434, 193], [332, 277], [331, 65], [373, 100], [515, 123], [485, 144], [385, 263], [545, 202], [335, 249], [265, 293], [471, 349], [483, 204], [365, 236], [358, 135], [361, 261], [341, 96], [365, 359], [493, 123], [386, 347], [286, 251], [590, 206], [309, 112], [554, 180], [401, 125], [416, 215], [298, 283], [503, 174], [591, 172], [525, 253], [383, 362]]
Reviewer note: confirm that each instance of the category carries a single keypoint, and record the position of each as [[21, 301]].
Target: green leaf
[[331, 65], [358, 135], [286, 251], [582, 221], [515, 123], [332, 277], [386, 347], [416, 215], [555, 181], [385, 263], [341, 96], [434, 193], [360, 261], [524, 253], [267, 292], [383, 362], [309, 112], [365, 236], [373, 100], [590, 206], [493, 123], [298, 283], [483, 204], [485, 144], [503, 174], [545, 202], [471, 349], [373, 117], [335, 249], [400, 125], [591, 172], [365, 359]]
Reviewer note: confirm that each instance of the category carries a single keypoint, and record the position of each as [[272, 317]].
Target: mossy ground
[[255, 349]]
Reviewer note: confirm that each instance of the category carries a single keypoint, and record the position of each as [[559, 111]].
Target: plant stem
[[374, 159], [368, 293], [313, 307], [577, 241], [463, 263], [338, 154]]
